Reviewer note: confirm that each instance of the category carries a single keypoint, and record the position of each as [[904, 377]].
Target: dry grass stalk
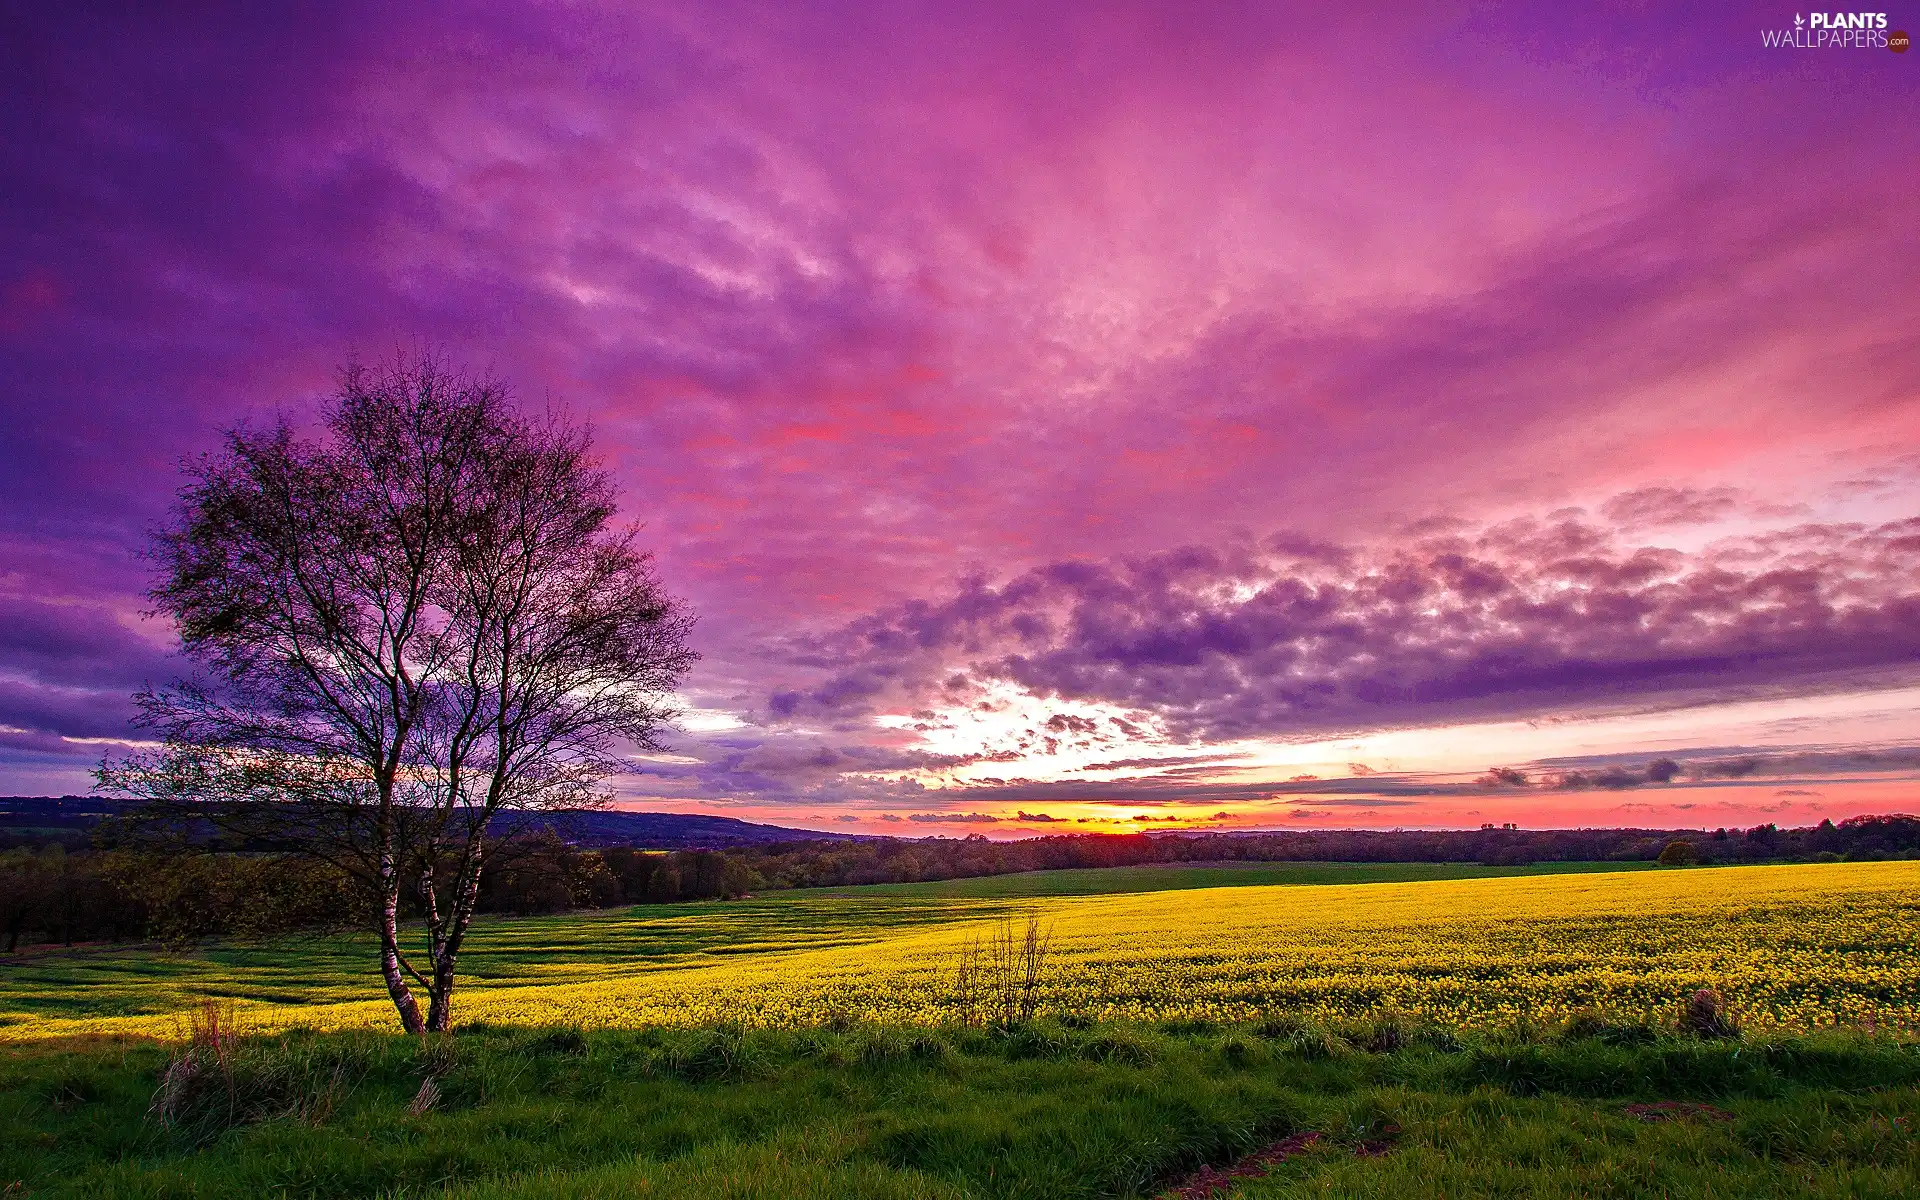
[[1706, 1014], [424, 1099], [205, 1067], [220, 1079], [1000, 978]]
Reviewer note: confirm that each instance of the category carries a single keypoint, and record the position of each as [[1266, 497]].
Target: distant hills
[[69, 818], [52, 818], [677, 831]]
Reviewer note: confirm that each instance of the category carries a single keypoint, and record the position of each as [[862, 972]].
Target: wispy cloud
[[1080, 310]]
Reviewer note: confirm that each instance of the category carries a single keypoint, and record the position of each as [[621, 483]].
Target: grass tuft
[[1117, 1047], [1316, 1043], [1705, 1014], [1592, 1026], [222, 1080], [723, 1052]]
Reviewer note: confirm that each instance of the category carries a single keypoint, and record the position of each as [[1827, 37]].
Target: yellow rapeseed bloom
[[1790, 946]]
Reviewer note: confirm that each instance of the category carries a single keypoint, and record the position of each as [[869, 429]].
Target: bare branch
[[412, 625]]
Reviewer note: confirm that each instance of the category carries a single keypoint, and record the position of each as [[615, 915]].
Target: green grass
[[1102, 881], [1054, 1109], [1037, 1111], [501, 952]]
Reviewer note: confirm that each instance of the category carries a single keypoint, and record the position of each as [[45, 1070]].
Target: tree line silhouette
[[55, 892]]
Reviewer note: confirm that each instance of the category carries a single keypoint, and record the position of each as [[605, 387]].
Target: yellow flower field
[[1791, 946]]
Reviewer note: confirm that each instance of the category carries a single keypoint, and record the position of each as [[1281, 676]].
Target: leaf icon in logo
[[1798, 20]]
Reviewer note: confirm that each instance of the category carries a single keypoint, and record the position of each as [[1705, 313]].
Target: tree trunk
[[390, 968], [440, 1002], [403, 1001]]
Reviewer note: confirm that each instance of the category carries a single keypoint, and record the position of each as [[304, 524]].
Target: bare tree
[[413, 626]]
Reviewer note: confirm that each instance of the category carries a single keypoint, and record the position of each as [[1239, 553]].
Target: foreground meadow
[[1791, 947], [1042, 1111], [1496, 1036]]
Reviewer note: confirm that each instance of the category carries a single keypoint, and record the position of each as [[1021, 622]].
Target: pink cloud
[[863, 299]]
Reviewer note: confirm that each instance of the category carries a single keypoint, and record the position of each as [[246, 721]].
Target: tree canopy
[[421, 619]]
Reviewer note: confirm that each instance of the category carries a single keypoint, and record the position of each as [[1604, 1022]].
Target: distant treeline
[[73, 820], [54, 894], [836, 864]]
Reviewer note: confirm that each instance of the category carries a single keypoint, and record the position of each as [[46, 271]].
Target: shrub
[[1679, 854]]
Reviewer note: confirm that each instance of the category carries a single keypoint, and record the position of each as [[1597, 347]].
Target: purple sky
[[1244, 414]]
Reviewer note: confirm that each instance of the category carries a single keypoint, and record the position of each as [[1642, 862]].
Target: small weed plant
[[220, 1079], [997, 980]]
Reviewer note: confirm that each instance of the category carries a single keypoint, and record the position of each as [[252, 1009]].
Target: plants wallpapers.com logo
[[1837, 31]]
